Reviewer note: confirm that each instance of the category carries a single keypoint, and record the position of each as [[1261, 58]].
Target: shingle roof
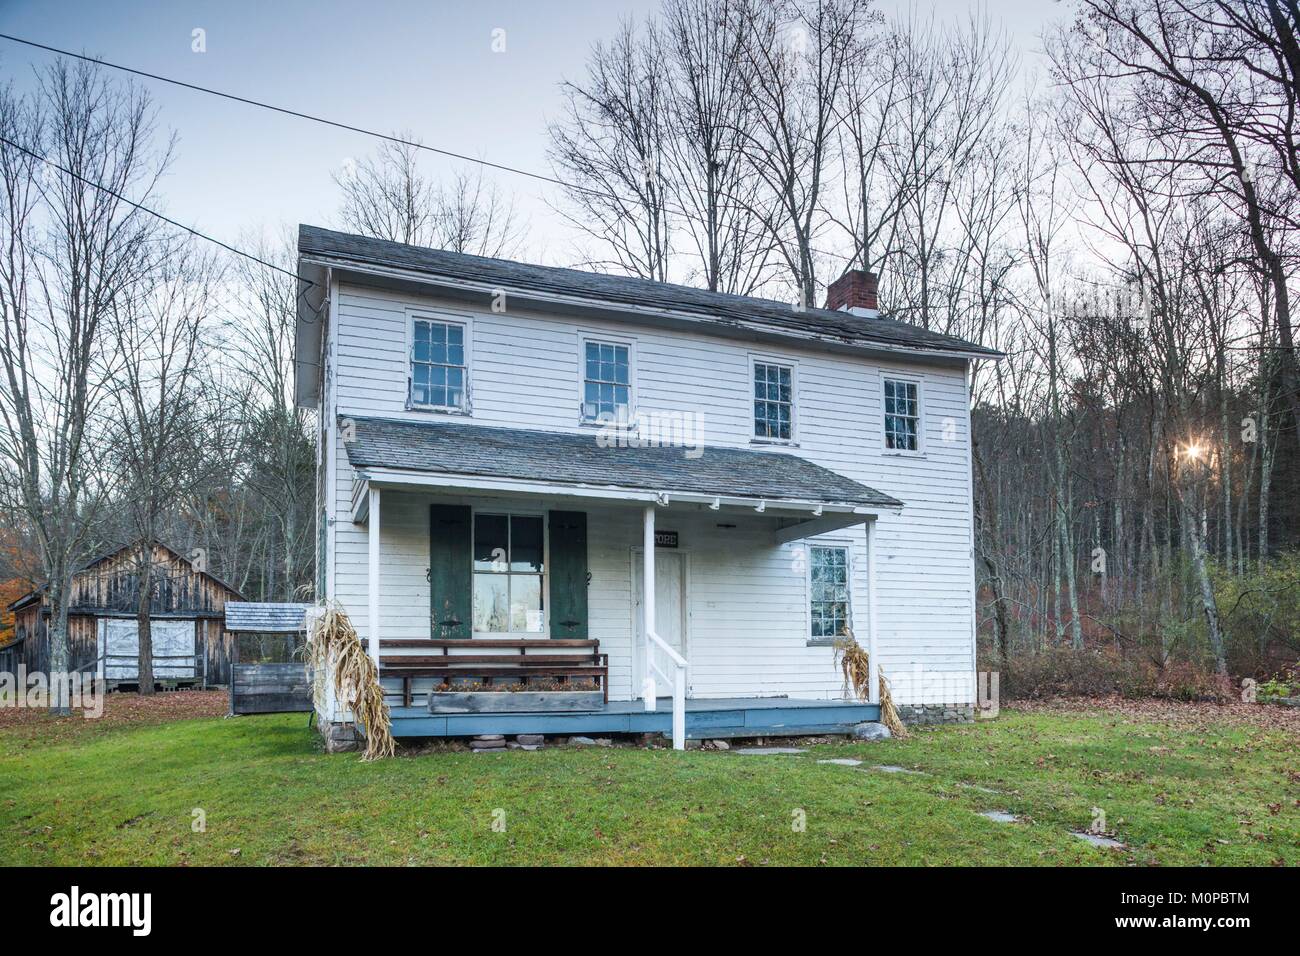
[[250, 616], [569, 459], [737, 311]]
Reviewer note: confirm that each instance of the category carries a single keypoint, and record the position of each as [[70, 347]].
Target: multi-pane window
[[902, 415], [438, 364], [773, 401], [829, 577], [606, 383], [507, 574]]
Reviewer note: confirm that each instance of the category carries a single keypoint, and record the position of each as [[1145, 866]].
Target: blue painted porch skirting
[[705, 718]]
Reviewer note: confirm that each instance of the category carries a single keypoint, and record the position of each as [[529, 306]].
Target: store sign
[[665, 539]]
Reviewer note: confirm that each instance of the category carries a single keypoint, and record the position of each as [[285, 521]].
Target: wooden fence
[[270, 688]]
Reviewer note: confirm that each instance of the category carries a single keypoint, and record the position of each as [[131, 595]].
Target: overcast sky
[[419, 66]]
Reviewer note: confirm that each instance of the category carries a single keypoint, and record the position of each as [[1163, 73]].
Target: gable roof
[[37, 592], [811, 325], [567, 459]]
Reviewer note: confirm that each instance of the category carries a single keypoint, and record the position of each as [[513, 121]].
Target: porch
[[706, 718], [680, 583]]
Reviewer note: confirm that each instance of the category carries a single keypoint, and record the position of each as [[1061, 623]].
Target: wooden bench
[[584, 662]]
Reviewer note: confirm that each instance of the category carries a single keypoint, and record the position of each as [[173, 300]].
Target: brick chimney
[[855, 292]]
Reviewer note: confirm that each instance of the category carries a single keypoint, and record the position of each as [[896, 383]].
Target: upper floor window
[[606, 382], [773, 401], [828, 572], [902, 415], [438, 364]]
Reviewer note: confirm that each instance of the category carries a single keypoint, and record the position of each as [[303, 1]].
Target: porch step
[[705, 720]]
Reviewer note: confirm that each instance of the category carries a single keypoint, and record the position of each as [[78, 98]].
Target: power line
[[388, 137], [307, 116], [414, 144], [541, 177], [152, 212]]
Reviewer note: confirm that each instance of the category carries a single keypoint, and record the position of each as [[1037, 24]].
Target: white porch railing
[[677, 680], [654, 642]]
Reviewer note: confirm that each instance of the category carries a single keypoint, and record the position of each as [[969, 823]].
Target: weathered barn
[[187, 611]]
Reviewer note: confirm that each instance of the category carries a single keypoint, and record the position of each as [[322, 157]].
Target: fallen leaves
[[1199, 716]]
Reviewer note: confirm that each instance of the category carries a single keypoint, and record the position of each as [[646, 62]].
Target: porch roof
[[559, 458]]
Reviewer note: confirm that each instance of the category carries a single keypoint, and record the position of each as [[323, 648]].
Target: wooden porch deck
[[706, 718]]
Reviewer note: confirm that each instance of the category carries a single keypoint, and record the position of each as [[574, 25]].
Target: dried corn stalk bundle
[[336, 652], [855, 663]]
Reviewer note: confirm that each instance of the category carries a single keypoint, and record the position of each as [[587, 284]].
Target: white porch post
[[372, 539], [873, 690], [648, 604]]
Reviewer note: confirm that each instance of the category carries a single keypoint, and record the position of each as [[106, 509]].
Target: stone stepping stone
[[1000, 816], [890, 768], [842, 762], [1096, 839], [763, 751]]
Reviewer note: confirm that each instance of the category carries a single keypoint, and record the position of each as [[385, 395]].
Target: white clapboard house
[[680, 496]]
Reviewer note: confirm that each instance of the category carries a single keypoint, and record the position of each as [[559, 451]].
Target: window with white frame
[[437, 364], [606, 381], [508, 569], [902, 415], [828, 575], [773, 401]]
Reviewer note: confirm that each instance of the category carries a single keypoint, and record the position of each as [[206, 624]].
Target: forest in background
[[1119, 220]]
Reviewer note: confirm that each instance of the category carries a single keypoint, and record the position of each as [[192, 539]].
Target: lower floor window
[[508, 571], [829, 577]]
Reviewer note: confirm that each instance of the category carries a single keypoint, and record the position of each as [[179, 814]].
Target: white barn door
[[173, 649]]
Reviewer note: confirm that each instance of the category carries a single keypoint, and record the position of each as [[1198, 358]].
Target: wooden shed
[[187, 611]]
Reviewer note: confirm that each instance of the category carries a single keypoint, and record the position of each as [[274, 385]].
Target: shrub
[[1261, 614], [1064, 672]]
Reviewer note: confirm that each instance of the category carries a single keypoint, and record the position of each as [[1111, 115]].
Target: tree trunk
[[1265, 479], [986, 519], [59, 702], [143, 620], [1200, 567]]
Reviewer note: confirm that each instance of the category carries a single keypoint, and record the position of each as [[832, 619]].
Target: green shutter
[[450, 584], [568, 574]]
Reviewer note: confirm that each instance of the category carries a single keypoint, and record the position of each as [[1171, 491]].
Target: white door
[[173, 649], [670, 611]]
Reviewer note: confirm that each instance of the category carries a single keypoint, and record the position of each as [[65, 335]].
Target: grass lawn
[[1177, 788]]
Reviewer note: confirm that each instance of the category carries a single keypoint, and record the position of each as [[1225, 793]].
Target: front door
[[670, 611]]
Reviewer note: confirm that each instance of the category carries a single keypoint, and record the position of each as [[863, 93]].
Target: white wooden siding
[[748, 609]]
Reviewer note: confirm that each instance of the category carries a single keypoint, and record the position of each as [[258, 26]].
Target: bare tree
[[1224, 76], [268, 511], [797, 65], [72, 249], [158, 448], [388, 197], [610, 151], [703, 44]]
